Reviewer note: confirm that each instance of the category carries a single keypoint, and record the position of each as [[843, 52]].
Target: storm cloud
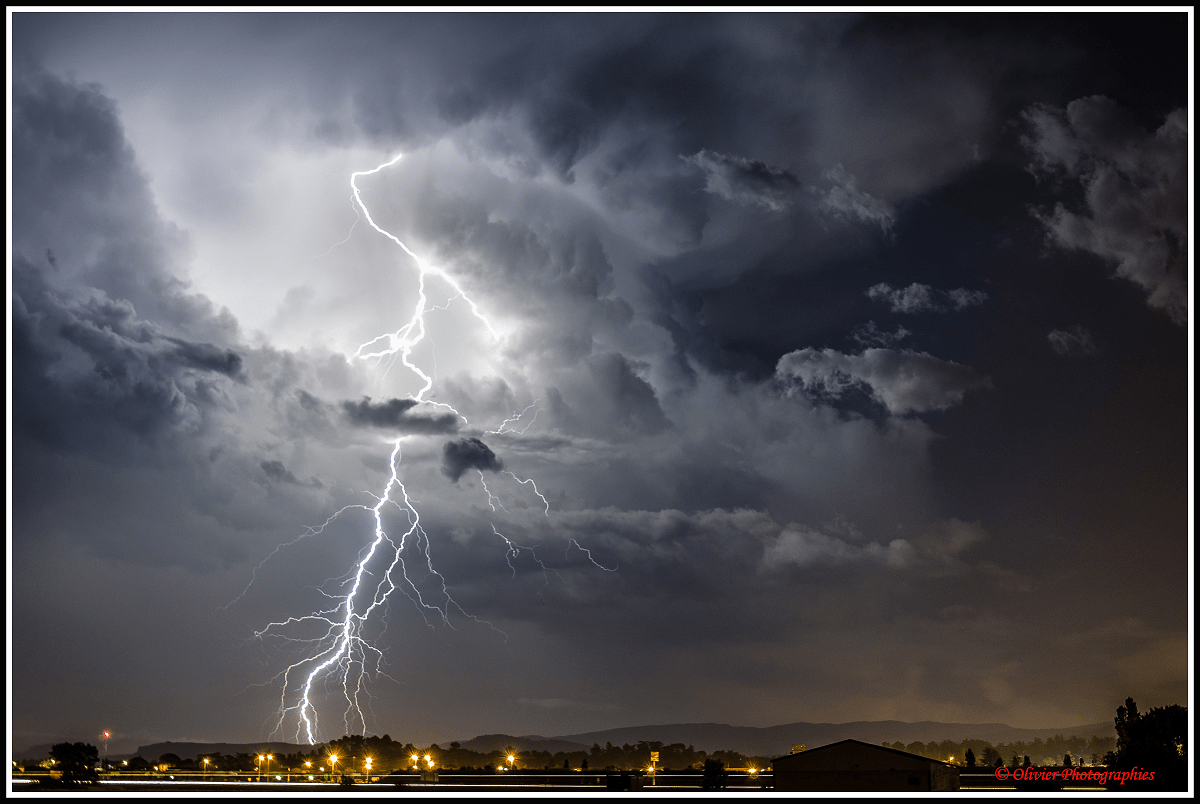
[[903, 382], [1135, 211], [918, 298], [394, 414], [745, 181], [468, 453]]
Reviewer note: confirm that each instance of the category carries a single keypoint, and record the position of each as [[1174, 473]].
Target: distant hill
[[774, 741], [530, 742]]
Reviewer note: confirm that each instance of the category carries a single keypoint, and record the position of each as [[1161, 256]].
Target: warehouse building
[[852, 765]]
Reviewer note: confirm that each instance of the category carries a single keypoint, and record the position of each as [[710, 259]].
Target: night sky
[[852, 353]]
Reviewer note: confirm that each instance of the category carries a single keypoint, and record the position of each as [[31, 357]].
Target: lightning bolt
[[516, 417], [340, 655], [402, 341], [493, 500], [535, 490]]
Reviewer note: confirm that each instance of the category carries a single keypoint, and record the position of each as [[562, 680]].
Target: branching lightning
[[493, 500], [535, 490], [340, 656], [516, 417]]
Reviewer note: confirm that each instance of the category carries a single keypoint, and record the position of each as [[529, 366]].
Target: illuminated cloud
[[1135, 211], [918, 298], [903, 382], [745, 181], [1072, 343], [845, 200]]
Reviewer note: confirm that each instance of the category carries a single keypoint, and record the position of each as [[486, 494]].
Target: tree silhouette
[[970, 758], [1155, 741], [76, 762], [714, 774]]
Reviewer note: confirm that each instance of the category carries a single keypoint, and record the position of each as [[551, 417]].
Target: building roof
[[872, 746]]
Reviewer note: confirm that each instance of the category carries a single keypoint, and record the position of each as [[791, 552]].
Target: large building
[[851, 765]]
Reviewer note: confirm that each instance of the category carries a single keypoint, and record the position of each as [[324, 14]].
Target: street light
[[367, 766], [333, 764], [260, 762], [205, 761]]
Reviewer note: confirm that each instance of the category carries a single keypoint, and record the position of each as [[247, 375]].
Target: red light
[[107, 735]]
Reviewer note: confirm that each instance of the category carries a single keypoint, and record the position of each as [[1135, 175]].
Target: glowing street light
[[333, 763]]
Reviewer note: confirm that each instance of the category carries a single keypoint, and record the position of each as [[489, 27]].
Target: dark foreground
[[460, 783]]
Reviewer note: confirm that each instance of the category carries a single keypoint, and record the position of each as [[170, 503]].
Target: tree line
[[1089, 750], [388, 755]]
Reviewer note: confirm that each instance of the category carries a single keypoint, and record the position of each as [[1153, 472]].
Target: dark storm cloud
[[1135, 187], [671, 558], [124, 381], [903, 382], [84, 198], [208, 357], [918, 298], [88, 364], [745, 181], [105, 333], [627, 398], [468, 453], [278, 472], [394, 414]]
